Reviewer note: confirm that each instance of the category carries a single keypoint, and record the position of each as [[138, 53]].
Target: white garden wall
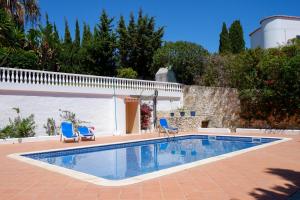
[[98, 110], [95, 99]]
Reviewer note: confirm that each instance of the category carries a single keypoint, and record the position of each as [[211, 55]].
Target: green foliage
[[270, 85], [224, 42], [21, 10], [236, 37], [138, 42], [67, 38], [18, 58], [19, 126], [187, 60], [87, 35], [50, 126], [122, 42], [103, 50], [10, 34], [216, 71], [143, 43], [77, 35], [49, 49], [126, 73]]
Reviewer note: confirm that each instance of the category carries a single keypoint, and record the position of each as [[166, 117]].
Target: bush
[[187, 60], [50, 126], [216, 73], [126, 73], [19, 127], [269, 84], [18, 58], [145, 116]]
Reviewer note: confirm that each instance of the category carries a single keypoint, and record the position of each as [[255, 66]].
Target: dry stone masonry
[[214, 106]]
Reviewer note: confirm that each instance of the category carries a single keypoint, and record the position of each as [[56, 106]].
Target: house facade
[[275, 31]]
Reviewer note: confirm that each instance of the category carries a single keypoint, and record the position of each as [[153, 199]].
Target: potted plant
[[204, 124], [181, 112], [193, 113]]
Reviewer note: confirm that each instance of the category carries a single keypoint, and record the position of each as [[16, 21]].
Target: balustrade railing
[[35, 77]]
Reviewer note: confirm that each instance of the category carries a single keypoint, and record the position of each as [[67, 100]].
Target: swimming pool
[[130, 162]]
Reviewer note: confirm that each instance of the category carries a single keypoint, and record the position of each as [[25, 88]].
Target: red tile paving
[[269, 173]]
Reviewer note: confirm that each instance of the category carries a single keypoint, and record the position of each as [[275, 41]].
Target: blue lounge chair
[[86, 133], [168, 129], [67, 132]]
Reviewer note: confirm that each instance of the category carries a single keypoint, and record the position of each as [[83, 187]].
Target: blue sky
[[190, 20]]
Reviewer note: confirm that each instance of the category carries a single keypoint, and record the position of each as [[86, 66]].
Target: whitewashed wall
[[91, 98], [257, 39], [99, 111], [275, 31]]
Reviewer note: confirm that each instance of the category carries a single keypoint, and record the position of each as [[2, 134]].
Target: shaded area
[[280, 192]]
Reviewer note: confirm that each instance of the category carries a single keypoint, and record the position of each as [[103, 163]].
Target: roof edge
[[254, 31], [280, 17]]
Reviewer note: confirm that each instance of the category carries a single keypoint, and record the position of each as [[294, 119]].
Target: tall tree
[[21, 10], [87, 35], [67, 38], [56, 34], [224, 42], [77, 35], [144, 40], [49, 48], [122, 43], [103, 50], [236, 37], [131, 42], [10, 36]]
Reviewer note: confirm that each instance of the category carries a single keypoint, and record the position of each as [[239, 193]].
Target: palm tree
[[22, 10], [10, 36]]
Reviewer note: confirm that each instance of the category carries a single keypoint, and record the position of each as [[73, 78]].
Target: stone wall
[[219, 106]]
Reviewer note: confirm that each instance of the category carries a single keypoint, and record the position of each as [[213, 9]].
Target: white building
[[275, 31], [111, 105]]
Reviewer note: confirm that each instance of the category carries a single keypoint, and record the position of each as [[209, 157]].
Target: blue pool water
[[120, 161]]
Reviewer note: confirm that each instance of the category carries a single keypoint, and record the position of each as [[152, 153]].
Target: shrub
[[50, 126], [145, 116], [66, 115], [126, 73], [18, 58], [187, 60], [19, 127]]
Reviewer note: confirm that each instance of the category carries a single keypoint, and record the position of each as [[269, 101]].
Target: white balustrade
[[24, 76]]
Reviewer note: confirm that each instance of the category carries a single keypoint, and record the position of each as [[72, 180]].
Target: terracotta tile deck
[[271, 173]]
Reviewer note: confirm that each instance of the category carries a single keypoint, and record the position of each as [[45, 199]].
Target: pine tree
[[87, 35], [224, 42], [122, 43], [236, 37], [77, 35], [103, 50], [67, 38], [143, 41], [131, 42], [56, 34]]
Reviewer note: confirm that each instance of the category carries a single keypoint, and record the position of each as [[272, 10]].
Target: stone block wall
[[219, 106]]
